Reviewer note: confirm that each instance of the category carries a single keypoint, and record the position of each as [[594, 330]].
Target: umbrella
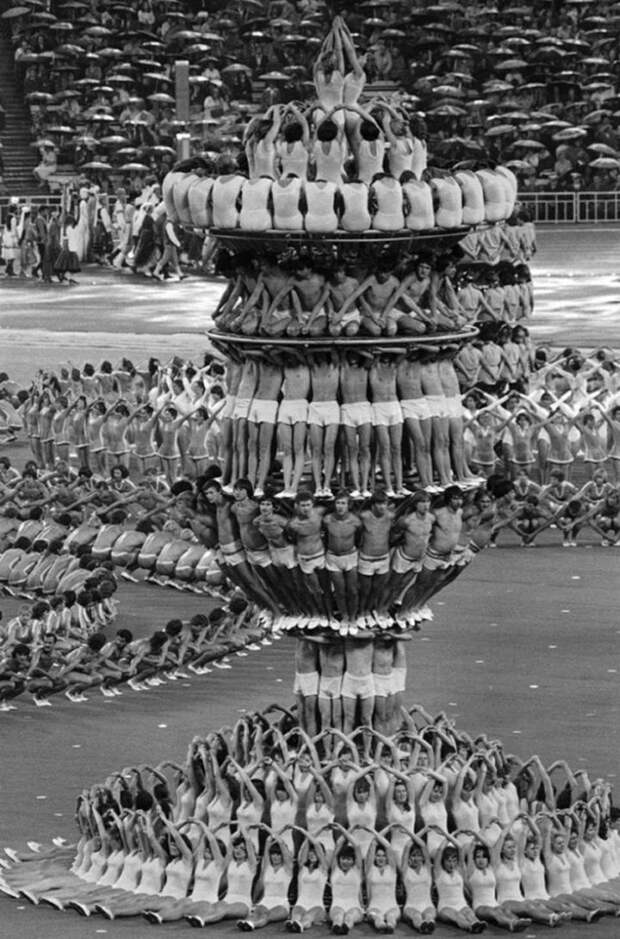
[[185, 34], [602, 149], [196, 48], [570, 133], [113, 140], [61, 26], [237, 67], [274, 77], [68, 48], [510, 64], [518, 165], [161, 97], [161, 148], [121, 79], [14, 12], [448, 110], [98, 31], [134, 168], [156, 76], [605, 163], [96, 165], [499, 130], [39, 97], [102, 118], [595, 116], [60, 129], [44, 142], [496, 87], [110, 52], [86, 141]]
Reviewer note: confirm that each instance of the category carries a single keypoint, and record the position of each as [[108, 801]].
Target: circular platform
[[393, 344]]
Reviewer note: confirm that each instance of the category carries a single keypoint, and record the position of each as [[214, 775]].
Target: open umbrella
[[161, 97], [594, 117], [499, 130], [14, 12], [602, 149], [113, 140], [39, 97], [134, 168], [236, 67], [570, 133], [605, 163], [275, 77], [96, 165]]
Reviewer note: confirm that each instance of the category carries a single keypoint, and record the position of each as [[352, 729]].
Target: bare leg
[[420, 434]]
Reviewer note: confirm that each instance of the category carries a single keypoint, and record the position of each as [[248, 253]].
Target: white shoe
[[356, 494], [34, 846], [134, 684], [106, 692], [40, 702], [116, 692]]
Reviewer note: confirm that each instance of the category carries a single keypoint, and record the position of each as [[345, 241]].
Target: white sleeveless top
[[152, 876], [420, 157], [346, 889], [264, 159], [96, 868], [578, 877], [533, 879], [207, 876], [355, 216], [508, 882], [225, 192], [362, 815], [389, 205], [421, 215], [450, 890], [558, 871], [406, 818], [434, 813], [285, 197], [276, 881], [282, 814], [310, 888], [510, 187], [482, 883], [255, 214], [381, 888], [449, 212], [132, 867], [494, 195], [178, 876], [198, 202], [369, 156], [240, 877], [116, 861], [328, 165], [418, 888], [180, 196], [320, 212], [250, 814], [400, 156], [294, 161], [315, 820], [473, 197], [169, 183]]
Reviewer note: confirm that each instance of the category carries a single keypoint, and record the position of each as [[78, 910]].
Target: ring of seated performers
[[61, 646], [263, 824], [305, 293]]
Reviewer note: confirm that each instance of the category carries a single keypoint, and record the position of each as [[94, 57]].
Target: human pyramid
[[265, 824]]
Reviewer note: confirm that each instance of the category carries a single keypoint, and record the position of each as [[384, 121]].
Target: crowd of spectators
[[532, 85]]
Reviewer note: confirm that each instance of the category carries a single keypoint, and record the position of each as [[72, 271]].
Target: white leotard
[[434, 813], [255, 214], [315, 820], [369, 159], [418, 889], [578, 877], [508, 882], [275, 881], [224, 196], [510, 187], [320, 212], [264, 159], [346, 889], [494, 195], [421, 215], [207, 876], [404, 817], [240, 877], [219, 813], [533, 879], [328, 165], [285, 197], [132, 867], [449, 212], [198, 196], [558, 875], [450, 891], [381, 888], [400, 156], [419, 160], [482, 883], [282, 814], [294, 161], [355, 216], [178, 876], [112, 873], [473, 197], [180, 194], [311, 887], [388, 214], [96, 867], [250, 814], [152, 876], [365, 815]]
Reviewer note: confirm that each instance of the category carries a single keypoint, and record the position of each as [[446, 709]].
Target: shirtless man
[[416, 416], [387, 420], [373, 296], [383, 680], [293, 419], [245, 393], [323, 419], [332, 667], [262, 421], [357, 684], [410, 535], [342, 528], [356, 418], [338, 290], [440, 553], [232, 557], [454, 408], [408, 310], [306, 685], [374, 558], [273, 287], [432, 390], [272, 527], [256, 546], [306, 528], [234, 370]]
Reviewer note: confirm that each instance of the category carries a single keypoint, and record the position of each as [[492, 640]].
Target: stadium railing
[[573, 207]]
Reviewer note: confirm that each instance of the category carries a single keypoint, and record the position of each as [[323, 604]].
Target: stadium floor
[[524, 646]]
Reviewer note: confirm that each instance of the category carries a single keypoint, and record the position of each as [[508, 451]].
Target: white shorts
[[329, 686], [293, 412], [323, 413], [357, 686], [242, 408], [307, 565], [386, 413], [369, 566], [341, 562], [437, 562], [352, 315], [454, 406], [415, 408], [437, 405], [399, 679], [284, 556], [306, 683], [231, 554], [401, 564], [384, 684], [229, 408], [356, 414], [260, 557], [262, 411]]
